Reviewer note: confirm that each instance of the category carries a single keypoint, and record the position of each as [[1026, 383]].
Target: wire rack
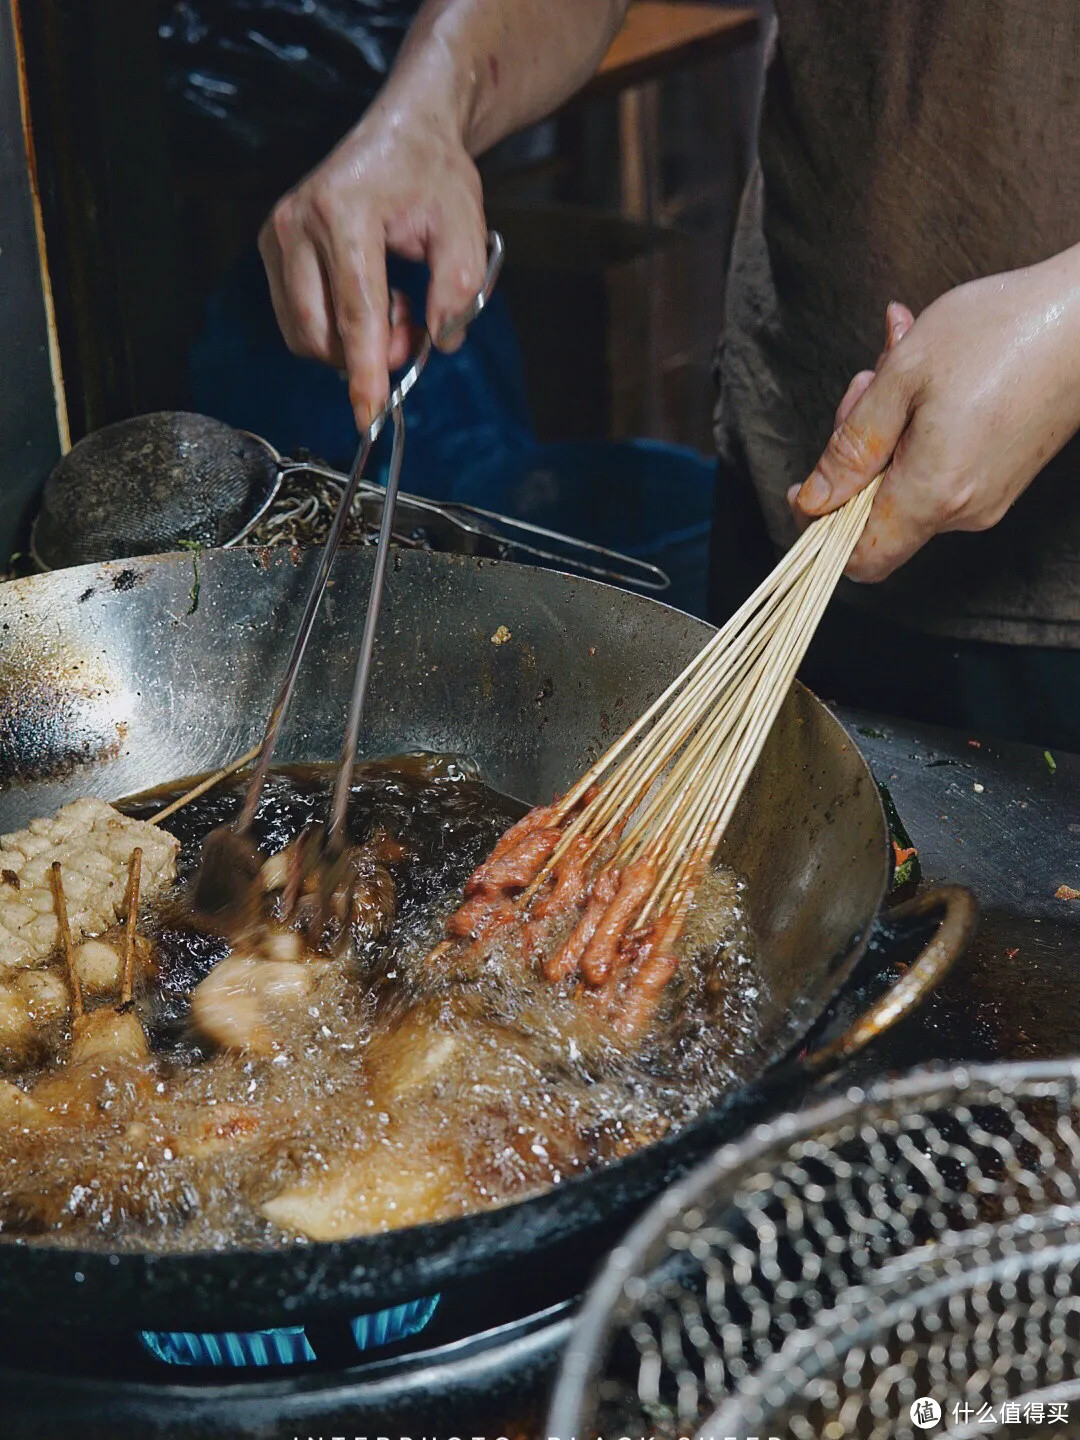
[[898, 1262]]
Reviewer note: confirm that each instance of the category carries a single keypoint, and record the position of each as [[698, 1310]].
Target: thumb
[[898, 321], [861, 446]]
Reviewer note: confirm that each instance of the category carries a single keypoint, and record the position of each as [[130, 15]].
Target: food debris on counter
[[501, 636], [1051, 763], [978, 788], [1066, 892], [906, 867]]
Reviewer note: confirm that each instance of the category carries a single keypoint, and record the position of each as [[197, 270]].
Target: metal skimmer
[[844, 1271]]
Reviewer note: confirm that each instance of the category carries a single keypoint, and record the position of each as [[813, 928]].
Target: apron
[[906, 146]]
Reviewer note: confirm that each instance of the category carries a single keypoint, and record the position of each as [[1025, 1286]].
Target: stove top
[[478, 1360], [467, 1359]]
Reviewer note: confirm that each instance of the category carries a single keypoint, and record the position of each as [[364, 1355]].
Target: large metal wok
[[117, 677]]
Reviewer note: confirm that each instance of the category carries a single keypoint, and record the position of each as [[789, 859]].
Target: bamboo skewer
[[127, 987], [666, 790], [207, 784], [60, 906]]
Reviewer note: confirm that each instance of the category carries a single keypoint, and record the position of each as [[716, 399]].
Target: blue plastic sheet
[[467, 405]]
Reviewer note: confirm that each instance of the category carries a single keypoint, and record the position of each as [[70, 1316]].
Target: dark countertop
[[1004, 820]]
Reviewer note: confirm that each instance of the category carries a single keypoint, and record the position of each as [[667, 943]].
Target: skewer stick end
[[56, 880], [132, 906]]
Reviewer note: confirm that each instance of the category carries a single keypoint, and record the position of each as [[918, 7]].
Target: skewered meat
[[602, 958], [111, 1033], [108, 1045], [93, 843], [45, 993], [566, 961], [30, 1006], [99, 966], [626, 971]]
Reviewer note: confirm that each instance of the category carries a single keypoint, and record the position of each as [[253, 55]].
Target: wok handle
[[933, 964]]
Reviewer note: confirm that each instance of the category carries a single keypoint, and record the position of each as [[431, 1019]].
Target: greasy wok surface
[[120, 677]]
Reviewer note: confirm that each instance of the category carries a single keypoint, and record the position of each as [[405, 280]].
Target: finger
[[354, 258], [312, 305], [907, 512], [861, 447], [298, 289], [802, 520], [402, 331], [898, 321], [854, 392], [457, 255]]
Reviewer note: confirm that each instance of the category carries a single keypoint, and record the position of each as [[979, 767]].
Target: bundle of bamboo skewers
[[628, 845], [623, 852]]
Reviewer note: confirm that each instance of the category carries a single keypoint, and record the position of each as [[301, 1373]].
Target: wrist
[[431, 85]]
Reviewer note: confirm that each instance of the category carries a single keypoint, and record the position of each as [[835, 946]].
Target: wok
[[121, 676]]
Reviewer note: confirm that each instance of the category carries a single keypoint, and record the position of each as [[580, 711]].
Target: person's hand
[[965, 407], [407, 185]]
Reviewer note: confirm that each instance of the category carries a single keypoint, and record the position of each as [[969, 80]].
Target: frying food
[[93, 843], [397, 1051], [239, 1001], [575, 921]]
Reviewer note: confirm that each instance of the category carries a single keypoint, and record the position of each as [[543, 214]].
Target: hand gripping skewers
[[227, 881], [596, 887]]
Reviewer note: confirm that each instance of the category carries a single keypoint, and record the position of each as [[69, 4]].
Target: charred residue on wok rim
[[52, 720]]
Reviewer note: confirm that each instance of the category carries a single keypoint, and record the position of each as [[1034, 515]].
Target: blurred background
[[157, 139]]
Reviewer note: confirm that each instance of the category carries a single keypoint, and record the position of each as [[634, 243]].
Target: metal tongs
[[230, 860]]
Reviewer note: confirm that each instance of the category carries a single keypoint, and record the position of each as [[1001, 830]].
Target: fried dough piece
[[93, 843], [384, 1188], [413, 1052], [235, 1004]]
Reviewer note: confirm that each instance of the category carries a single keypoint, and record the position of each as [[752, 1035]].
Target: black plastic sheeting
[[274, 80]]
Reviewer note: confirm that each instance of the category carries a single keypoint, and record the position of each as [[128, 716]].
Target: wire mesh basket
[[896, 1262]]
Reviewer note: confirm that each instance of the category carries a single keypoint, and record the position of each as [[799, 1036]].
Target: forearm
[[489, 67], [1055, 314]]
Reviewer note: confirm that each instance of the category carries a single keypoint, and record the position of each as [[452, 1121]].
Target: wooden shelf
[[660, 35]]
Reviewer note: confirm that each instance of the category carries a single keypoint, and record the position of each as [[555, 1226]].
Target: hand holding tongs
[[230, 860]]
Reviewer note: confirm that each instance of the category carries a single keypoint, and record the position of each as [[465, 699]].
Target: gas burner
[[477, 1354], [283, 1345]]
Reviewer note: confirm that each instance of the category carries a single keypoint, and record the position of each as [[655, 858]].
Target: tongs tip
[[228, 871]]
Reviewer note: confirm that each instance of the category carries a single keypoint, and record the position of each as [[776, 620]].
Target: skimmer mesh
[[152, 483], [918, 1240]]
